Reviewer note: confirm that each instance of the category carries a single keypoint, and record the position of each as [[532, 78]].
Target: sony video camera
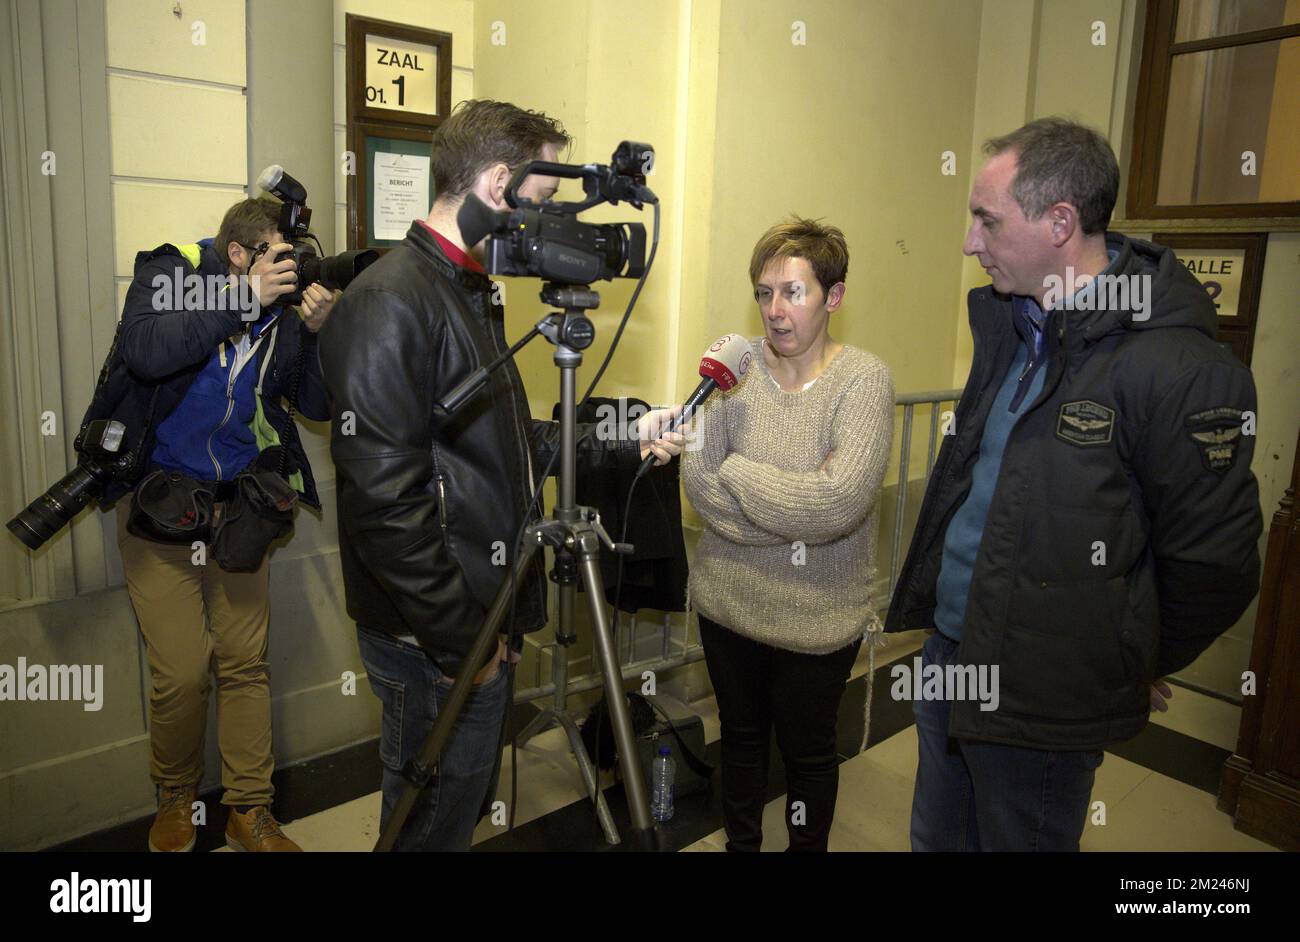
[[546, 240]]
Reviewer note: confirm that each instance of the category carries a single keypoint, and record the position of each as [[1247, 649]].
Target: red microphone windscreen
[[727, 360]]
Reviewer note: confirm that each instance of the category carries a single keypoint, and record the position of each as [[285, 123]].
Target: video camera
[[310, 264], [546, 240]]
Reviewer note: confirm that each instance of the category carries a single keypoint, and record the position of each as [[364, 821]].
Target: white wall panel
[[177, 131], [146, 36]]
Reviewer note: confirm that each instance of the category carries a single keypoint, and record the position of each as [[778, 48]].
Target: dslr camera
[[310, 262]]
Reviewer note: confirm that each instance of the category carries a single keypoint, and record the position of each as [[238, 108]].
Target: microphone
[[723, 365], [278, 183]]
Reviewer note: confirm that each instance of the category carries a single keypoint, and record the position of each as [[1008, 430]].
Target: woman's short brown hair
[[823, 247], [479, 133]]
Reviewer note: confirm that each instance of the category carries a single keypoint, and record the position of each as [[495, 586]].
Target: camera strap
[[292, 397], [266, 361], [97, 405]]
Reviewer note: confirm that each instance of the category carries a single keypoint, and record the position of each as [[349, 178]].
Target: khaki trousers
[[198, 621]]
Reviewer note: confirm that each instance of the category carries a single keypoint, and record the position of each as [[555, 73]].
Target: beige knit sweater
[[788, 552]]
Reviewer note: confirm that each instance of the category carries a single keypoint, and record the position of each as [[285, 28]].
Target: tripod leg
[[633, 783], [590, 778]]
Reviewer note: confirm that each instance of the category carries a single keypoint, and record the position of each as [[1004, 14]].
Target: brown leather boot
[[256, 831], [173, 829]]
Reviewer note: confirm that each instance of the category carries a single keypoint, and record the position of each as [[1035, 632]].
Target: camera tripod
[[575, 534]]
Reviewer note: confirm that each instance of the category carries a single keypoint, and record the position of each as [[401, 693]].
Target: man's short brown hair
[[823, 247], [479, 133], [1062, 161], [245, 222]]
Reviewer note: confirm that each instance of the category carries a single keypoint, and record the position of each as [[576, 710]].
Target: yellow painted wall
[[591, 65], [750, 124], [1038, 58], [1277, 380], [609, 72]]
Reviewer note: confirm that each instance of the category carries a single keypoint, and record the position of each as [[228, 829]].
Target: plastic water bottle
[[661, 800]]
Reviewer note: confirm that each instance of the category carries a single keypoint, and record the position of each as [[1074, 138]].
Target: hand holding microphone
[[724, 364], [660, 442]]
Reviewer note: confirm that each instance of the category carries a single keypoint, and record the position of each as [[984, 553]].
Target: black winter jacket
[[1134, 446], [429, 506], [160, 349]]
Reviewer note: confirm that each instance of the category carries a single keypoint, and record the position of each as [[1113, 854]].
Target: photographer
[[204, 355], [430, 505]]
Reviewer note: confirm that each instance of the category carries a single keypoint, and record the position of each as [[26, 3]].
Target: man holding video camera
[[430, 505], [205, 353]]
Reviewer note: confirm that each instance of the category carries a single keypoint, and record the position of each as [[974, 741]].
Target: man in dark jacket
[[430, 505], [200, 365], [1091, 525]]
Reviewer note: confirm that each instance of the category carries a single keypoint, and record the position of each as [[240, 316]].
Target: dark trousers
[[759, 688], [988, 796], [413, 691]]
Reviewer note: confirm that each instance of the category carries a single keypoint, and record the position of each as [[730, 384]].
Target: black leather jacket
[[428, 506]]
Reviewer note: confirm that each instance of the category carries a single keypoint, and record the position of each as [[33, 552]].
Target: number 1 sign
[[397, 74]]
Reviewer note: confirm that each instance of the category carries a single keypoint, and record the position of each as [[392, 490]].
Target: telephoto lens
[[103, 455], [337, 271], [51, 512], [334, 272]]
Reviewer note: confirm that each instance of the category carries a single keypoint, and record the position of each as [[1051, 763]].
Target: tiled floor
[[1143, 810]]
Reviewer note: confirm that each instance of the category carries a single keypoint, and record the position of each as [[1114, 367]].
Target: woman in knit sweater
[[785, 472]]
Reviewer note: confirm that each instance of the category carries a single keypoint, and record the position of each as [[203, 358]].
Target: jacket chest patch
[[1085, 422], [1217, 433]]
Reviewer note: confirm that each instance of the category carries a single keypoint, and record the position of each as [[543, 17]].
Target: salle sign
[[401, 76], [1220, 273]]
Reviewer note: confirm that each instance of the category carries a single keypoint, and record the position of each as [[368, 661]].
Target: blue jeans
[[988, 796], [413, 690]]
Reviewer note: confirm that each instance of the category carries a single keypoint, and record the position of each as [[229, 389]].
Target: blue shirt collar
[[1029, 316]]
